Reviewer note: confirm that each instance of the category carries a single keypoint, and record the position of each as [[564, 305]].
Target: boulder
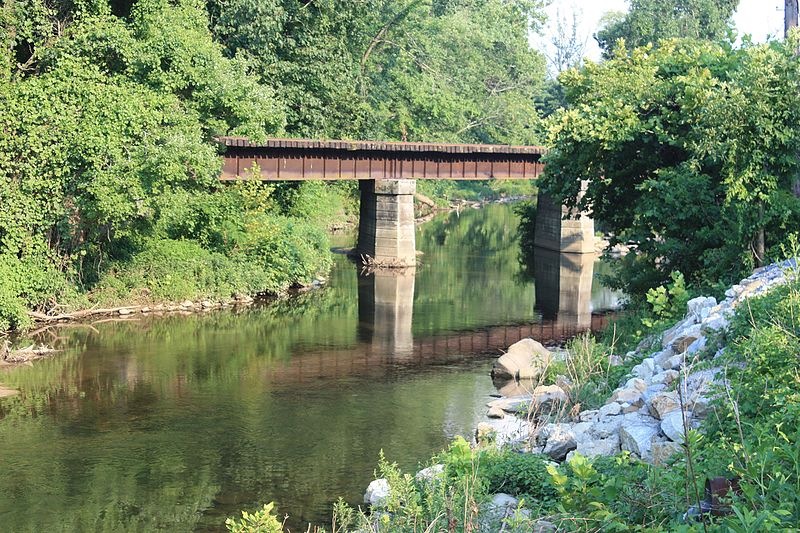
[[671, 334], [519, 404], [700, 406], [595, 448], [697, 346], [715, 322], [560, 441], [636, 384], [665, 378], [698, 308], [485, 433], [377, 494], [495, 412], [663, 403], [652, 390], [630, 396], [549, 396], [672, 425], [685, 338], [430, 474], [510, 430], [676, 361], [606, 427], [609, 409], [662, 358], [524, 359], [644, 370], [637, 437], [664, 451]]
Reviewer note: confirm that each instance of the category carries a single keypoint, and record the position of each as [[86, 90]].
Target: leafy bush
[[260, 521], [519, 474]]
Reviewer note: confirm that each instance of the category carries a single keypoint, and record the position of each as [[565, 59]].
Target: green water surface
[[174, 423]]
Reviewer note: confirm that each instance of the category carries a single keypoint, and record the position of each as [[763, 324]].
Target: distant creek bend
[[175, 423]]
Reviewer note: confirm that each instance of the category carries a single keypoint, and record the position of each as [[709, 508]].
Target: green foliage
[[260, 521], [451, 71], [688, 137], [650, 21], [754, 434], [667, 303], [107, 110], [522, 475]]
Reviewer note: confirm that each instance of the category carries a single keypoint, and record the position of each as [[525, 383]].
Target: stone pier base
[[386, 222], [573, 235]]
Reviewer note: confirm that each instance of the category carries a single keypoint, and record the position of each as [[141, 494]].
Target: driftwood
[[42, 317], [29, 353]]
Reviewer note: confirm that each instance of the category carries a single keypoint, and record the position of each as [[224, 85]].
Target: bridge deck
[[300, 159]]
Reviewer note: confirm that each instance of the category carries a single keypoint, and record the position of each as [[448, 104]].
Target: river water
[[175, 423]]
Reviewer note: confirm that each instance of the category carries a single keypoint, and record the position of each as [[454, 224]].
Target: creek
[[174, 423]]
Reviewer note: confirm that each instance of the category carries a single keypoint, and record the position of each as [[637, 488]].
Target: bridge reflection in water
[[563, 295]]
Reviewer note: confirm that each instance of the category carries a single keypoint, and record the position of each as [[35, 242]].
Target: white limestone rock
[[594, 448], [664, 451], [672, 425], [524, 359], [495, 412], [699, 307], [549, 396], [606, 427], [630, 396], [377, 494], [430, 475], [637, 437], [610, 409], [666, 377]]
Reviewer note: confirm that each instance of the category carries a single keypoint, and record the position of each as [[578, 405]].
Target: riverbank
[[695, 427]]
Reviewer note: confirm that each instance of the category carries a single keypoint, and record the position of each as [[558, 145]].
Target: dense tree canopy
[[689, 151], [649, 21], [456, 70], [108, 109]]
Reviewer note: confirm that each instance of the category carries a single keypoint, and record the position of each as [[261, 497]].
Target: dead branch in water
[[29, 353], [42, 317]]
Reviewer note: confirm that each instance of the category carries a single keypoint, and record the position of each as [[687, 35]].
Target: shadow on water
[[174, 423]]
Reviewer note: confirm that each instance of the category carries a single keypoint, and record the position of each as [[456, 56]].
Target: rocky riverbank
[[672, 382], [666, 393]]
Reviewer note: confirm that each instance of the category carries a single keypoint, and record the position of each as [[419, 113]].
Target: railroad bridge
[[388, 171]]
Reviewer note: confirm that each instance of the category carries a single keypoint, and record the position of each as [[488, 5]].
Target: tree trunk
[[760, 248], [790, 16], [790, 20]]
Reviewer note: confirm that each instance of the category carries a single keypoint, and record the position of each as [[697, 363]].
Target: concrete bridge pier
[[554, 232], [386, 222]]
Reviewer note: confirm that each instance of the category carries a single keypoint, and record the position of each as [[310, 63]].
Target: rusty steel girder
[[298, 159]]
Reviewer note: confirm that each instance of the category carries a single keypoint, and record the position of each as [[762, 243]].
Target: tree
[[790, 15], [649, 21], [448, 70], [689, 151], [568, 46]]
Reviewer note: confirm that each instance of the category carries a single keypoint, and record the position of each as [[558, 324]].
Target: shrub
[[519, 474], [260, 521]]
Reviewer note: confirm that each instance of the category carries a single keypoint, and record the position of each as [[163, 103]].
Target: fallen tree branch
[[42, 317]]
